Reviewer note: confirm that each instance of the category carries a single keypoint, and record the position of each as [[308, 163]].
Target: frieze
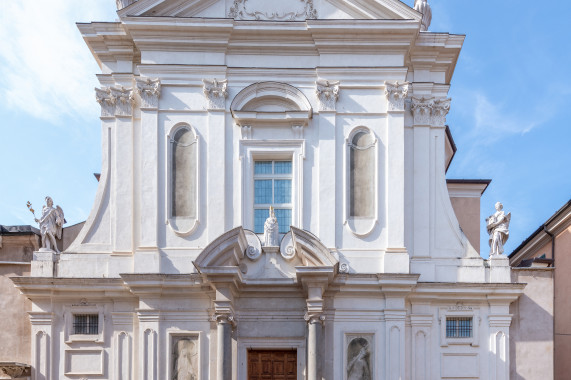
[[149, 90], [396, 94], [327, 93], [240, 11]]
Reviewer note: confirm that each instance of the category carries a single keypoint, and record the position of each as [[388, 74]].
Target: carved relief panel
[[359, 354]]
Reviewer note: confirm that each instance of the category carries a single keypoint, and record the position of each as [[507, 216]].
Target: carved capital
[[124, 101], [440, 108], [396, 94], [224, 318], [327, 93], [297, 131], [246, 132], [314, 318], [149, 90], [215, 92], [106, 100], [422, 110]]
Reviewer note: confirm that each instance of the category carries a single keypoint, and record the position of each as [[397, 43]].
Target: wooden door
[[272, 365]]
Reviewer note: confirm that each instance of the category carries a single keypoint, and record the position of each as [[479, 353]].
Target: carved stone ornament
[[396, 94], [423, 7], [149, 90], [223, 318], [271, 230], [246, 132], [51, 224], [240, 11], [440, 108], [287, 250], [460, 307], [297, 131], [125, 100], [314, 317], [327, 93], [106, 100], [254, 250], [422, 110], [343, 268], [15, 370], [498, 225], [215, 92]]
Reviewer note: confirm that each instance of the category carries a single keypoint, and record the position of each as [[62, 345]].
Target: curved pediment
[[226, 250], [311, 250]]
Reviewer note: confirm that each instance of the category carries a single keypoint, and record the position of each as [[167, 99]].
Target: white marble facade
[[353, 96]]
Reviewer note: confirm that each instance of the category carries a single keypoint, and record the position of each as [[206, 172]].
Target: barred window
[[87, 324], [459, 327]]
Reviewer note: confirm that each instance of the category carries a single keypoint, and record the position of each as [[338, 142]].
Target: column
[[314, 328], [396, 256], [216, 92], [224, 346], [327, 94]]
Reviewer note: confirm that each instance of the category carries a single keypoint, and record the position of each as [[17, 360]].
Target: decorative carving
[[359, 359], [421, 109], [297, 131], [238, 11], [314, 318], [343, 268], [423, 7], [440, 108], [51, 224], [271, 230], [396, 94], [246, 132], [460, 307], [149, 90], [106, 100], [498, 225], [124, 100], [254, 250], [287, 250], [215, 92], [185, 358], [327, 93], [223, 318], [15, 370]]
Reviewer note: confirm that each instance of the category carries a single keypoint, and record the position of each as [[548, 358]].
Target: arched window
[[183, 186]]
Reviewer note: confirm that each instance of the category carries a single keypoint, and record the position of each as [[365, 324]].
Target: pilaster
[[122, 345], [42, 355], [148, 345]]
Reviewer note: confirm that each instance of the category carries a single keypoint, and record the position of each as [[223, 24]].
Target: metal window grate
[[459, 327], [87, 324]]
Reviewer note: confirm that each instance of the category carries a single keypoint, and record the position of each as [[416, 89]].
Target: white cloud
[[46, 69]]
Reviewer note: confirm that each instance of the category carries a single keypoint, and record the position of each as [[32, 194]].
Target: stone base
[[44, 262], [500, 271]]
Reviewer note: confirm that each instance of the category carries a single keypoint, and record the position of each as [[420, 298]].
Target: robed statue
[[498, 225], [271, 230], [51, 224]]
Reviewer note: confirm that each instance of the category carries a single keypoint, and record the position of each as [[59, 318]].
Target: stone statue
[[185, 360], [271, 230], [358, 360], [423, 7], [498, 225], [51, 224]]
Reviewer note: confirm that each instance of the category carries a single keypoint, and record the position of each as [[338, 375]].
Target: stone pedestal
[[499, 269], [44, 263]]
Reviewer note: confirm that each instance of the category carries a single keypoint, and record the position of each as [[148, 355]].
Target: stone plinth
[[43, 264], [499, 269]]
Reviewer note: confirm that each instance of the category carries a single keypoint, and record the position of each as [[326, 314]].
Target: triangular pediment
[[275, 10]]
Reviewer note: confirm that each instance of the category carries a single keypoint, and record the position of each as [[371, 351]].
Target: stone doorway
[[272, 365]]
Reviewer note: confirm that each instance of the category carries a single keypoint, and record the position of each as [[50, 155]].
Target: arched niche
[[182, 179], [361, 181], [271, 103]]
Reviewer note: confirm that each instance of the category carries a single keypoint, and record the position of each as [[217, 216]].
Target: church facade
[[272, 204]]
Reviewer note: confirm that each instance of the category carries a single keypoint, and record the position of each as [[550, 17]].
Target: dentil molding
[[327, 94], [396, 94], [149, 90], [215, 92]]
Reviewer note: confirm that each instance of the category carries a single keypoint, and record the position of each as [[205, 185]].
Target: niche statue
[[358, 360], [51, 224], [185, 360], [498, 225]]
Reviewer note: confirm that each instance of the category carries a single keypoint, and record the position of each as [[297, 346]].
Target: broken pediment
[[271, 10]]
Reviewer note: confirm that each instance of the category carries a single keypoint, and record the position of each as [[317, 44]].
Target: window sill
[[73, 338]]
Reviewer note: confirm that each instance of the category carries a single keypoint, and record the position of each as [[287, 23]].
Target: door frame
[[253, 343]]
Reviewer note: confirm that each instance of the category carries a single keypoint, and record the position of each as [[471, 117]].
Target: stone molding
[[396, 94], [124, 100], [106, 100], [15, 370], [314, 318], [215, 92], [239, 11], [149, 90], [327, 94], [430, 111]]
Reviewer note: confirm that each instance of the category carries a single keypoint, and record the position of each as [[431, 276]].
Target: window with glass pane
[[86, 324], [272, 187], [459, 327]]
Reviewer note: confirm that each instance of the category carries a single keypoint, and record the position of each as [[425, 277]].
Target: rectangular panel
[[272, 365], [84, 362], [463, 366]]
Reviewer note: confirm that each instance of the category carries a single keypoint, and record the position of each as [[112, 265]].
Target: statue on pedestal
[[271, 230], [498, 225], [51, 224]]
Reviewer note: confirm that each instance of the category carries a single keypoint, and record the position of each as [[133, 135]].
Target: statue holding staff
[[51, 224]]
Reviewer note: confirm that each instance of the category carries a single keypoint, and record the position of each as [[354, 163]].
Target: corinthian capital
[[440, 108], [106, 100], [421, 109], [396, 94], [215, 92], [124, 101], [327, 93], [149, 90]]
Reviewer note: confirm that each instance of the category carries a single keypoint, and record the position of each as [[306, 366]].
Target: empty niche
[[361, 186], [183, 180], [184, 362], [359, 362]]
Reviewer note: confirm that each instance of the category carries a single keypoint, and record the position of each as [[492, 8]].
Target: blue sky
[[510, 96]]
